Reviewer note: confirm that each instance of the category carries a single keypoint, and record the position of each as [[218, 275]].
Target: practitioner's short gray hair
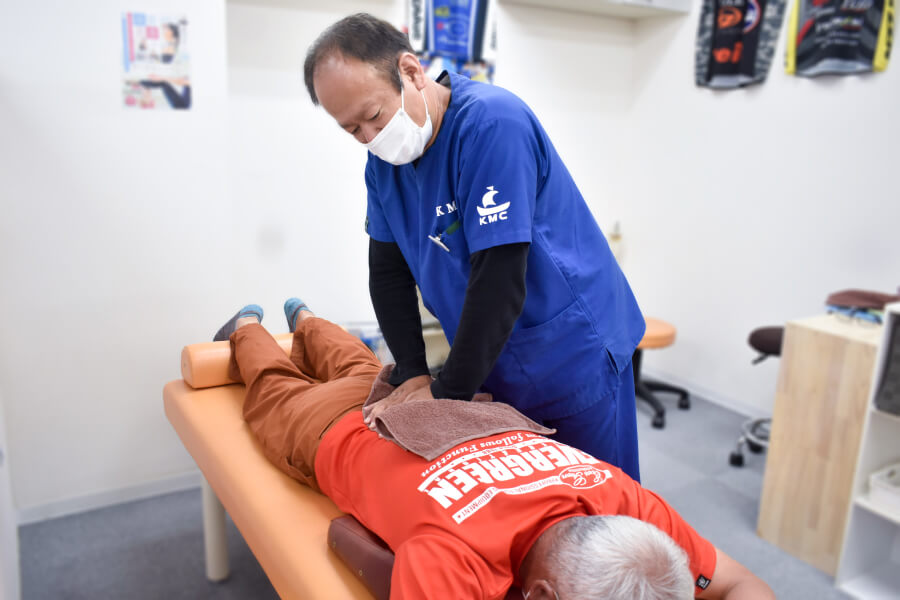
[[618, 558]]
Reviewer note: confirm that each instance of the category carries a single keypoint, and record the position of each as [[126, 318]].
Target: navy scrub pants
[[607, 429]]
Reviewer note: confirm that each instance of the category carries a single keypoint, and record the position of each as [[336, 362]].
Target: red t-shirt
[[460, 525]]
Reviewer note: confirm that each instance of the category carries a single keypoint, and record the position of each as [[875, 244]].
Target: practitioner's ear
[[541, 590], [410, 67]]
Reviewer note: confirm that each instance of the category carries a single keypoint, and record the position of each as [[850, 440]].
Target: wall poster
[[839, 36], [736, 41], [454, 35], [155, 61]]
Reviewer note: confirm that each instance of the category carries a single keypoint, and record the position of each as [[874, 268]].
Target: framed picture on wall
[[156, 61]]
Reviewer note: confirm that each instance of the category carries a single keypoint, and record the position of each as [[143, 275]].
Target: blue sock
[[251, 310], [292, 308]]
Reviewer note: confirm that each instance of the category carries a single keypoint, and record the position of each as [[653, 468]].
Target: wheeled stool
[[658, 334], [755, 432]]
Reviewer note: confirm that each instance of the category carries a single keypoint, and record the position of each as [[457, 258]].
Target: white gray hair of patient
[[618, 558]]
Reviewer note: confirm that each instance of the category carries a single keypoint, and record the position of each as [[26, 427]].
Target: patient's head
[[611, 557]]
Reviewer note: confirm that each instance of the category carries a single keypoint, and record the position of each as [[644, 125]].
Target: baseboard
[[80, 504], [742, 408]]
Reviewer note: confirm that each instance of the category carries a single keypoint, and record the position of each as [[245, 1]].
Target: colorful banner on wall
[[839, 36], [736, 41], [155, 61], [454, 35]]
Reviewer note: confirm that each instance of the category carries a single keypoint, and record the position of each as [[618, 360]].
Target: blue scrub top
[[492, 177]]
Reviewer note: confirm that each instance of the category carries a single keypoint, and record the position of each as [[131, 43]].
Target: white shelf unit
[[869, 565], [629, 9]]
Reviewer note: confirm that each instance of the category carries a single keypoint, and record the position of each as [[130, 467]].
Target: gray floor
[[687, 464], [154, 548]]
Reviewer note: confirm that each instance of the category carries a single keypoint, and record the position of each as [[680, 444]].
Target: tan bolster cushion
[[205, 365]]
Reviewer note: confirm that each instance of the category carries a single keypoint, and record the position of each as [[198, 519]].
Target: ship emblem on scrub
[[490, 211]]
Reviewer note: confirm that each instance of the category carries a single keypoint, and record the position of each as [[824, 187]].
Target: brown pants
[[292, 403]]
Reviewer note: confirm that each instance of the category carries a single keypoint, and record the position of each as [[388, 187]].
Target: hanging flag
[[839, 36], [458, 35], [736, 41]]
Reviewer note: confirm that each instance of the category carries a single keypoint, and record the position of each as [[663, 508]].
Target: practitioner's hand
[[423, 393], [398, 396]]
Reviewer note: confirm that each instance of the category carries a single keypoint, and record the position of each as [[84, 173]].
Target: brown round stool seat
[[767, 340], [659, 334]]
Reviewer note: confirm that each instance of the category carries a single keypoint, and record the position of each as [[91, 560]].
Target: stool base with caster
[[755, 434], [646, 391]]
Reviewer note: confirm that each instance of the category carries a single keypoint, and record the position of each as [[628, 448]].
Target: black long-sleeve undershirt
[[393, 292], [495, 296]]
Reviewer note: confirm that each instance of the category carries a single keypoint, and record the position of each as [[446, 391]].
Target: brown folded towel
[[430, 428]]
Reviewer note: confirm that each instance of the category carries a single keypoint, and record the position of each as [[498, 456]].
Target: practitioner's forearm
[[495, 297], [393, 292]]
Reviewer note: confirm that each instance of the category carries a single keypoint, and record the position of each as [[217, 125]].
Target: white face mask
[[402, 141]]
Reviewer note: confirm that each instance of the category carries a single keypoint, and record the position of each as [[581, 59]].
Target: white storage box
[[884, 487]]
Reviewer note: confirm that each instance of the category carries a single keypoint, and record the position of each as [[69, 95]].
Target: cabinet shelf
[[882, 581], [885, 512], [629, 9]]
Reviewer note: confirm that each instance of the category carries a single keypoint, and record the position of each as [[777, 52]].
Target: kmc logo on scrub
[[490, 211]]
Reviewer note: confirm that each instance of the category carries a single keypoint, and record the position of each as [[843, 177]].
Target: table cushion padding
[[284, 523], [364, 552]]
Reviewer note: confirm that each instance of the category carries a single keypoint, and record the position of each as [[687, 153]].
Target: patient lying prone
[[493, 505]]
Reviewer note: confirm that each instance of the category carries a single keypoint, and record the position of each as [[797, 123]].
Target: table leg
[[214, 538]]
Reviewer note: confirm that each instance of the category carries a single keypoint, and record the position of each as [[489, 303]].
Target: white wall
[[293, 176], [574, 70], [719, 238], [302, 179], [747, 208], [10, 584], [126, 235], [114, 249]]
